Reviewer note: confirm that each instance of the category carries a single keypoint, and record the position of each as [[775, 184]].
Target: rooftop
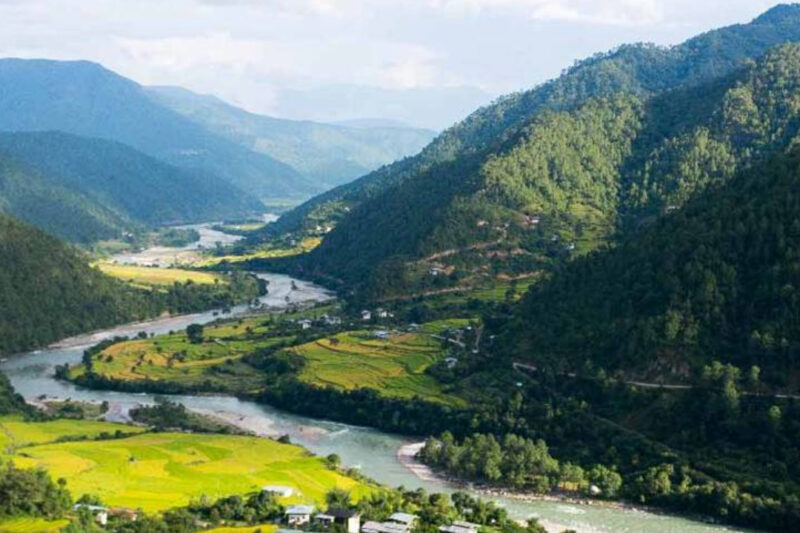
[[300, 509]]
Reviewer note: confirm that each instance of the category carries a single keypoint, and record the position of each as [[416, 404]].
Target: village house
[[383, 527], [381, 334], [381, 312], [451, 361], [278, 490], [298, 515], [366, 315], [100, 513], [305, 323], [405, 519]]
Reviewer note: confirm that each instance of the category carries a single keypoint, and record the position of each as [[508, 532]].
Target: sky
[[426, 63]]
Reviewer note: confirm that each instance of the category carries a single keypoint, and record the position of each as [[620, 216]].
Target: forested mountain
[[327, 154], [48, 292], [85, 189], [86, 99], [556, 171], [715, 280]]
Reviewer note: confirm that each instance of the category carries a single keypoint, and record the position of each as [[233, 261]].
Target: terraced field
[[150, 276], [394, 366], [16, 433], [157, 471], [305, 245], [173, 358]]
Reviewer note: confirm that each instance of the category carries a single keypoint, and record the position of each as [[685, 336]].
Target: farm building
[[405, 519], [384, 527], [298, 515]]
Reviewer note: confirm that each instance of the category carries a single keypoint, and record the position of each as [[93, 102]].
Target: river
[[374, 452]]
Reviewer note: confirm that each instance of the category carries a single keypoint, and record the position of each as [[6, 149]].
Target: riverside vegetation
[[204, 480]]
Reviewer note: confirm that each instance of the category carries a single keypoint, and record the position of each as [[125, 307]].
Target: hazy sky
[[427, 62]]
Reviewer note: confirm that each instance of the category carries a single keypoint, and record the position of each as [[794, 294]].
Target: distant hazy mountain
[[84, 189], [327, 154], [86, 99], [434, 108]]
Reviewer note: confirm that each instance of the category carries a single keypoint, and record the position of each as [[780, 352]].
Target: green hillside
[[639, 70], [327, 154], [89, 189], [83, 98], [713, 281], [566, 183], [47, 291]]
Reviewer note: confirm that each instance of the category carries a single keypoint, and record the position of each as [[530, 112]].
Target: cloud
[[607, 12]]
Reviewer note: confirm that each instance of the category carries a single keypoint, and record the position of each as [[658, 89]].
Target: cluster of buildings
[[380, 312], [298, 516], [303, 515]]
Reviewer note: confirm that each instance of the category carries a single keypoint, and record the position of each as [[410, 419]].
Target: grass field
[[306, 245], [148, 276], [395, 366], [157, 471], [33, 525]]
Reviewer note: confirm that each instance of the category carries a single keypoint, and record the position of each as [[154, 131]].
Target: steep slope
[[715, 280], [85, 99], [327, 154], [88, 189], [491, 178], [48, 292], [637, 69]]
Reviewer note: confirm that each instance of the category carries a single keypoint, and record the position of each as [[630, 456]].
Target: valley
[[575, 310]]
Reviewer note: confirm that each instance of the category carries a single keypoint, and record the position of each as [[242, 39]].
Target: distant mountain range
[[85, 190], [547, 174], [327, 154], [130, 156]]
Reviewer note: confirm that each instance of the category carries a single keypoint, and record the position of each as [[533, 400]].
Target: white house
[[298, 515], [366, 315], [100, 513], [305, 323]]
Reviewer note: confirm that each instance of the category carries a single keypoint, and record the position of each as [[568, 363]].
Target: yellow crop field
[[394, 366], [151, 276], [304, 246], [15, 432], [157, 471], [33, 525]]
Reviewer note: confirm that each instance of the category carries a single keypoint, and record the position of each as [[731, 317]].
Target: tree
[[337, 498], [195, 333]]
